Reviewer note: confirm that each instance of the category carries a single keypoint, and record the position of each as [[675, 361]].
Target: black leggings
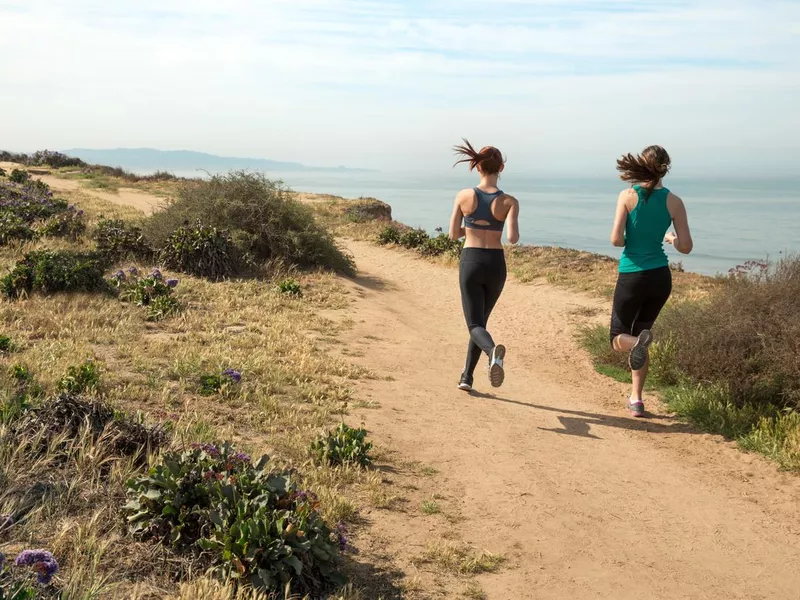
[[482, 274], [638, 299]]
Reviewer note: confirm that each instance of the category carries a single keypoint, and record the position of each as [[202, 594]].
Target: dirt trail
[[145, 202], [584, 501]]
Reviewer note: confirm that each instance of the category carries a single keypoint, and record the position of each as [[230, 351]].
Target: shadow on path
[[578, 423]]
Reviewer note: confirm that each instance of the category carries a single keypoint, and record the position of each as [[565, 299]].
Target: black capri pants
[[638, 300]]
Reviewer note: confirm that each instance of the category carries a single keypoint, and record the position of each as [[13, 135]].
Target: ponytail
[[649, 167], [489, 159]]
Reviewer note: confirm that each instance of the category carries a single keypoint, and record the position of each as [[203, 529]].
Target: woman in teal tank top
[[643, 217]]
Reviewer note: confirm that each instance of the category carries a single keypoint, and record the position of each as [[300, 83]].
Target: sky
[[560, 86]]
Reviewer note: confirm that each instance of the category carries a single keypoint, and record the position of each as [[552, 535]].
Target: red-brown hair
[[489, 159]]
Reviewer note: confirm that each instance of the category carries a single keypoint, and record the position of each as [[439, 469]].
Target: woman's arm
[[456, 229], [682, 238], [513, 221], [620, 220]]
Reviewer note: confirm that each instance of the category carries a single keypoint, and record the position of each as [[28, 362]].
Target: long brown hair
[[648, 168], [489, 159]]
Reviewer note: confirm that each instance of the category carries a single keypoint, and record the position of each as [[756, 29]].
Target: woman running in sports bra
[[644, 214], [479, 215]]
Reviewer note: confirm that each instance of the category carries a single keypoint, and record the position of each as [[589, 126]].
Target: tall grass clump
[[265, 221]]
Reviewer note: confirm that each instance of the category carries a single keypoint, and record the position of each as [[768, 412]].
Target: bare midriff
[[482, 238]]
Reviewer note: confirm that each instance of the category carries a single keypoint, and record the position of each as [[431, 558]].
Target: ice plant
[[41, 561]]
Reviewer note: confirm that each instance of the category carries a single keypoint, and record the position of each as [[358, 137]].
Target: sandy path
[[585, 501], [145, 202]]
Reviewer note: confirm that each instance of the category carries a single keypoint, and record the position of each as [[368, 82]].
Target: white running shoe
[[496, 373]]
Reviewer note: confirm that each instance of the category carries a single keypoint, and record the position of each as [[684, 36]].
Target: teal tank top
[[647, 224]]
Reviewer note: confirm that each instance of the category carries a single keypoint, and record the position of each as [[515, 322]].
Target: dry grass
[[291, 389], [459, 559]]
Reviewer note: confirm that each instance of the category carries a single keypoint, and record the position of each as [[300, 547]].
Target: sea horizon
[[734, 219]]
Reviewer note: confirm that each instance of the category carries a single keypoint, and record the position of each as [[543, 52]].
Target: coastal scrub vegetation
[[729, 361], [108, 407]]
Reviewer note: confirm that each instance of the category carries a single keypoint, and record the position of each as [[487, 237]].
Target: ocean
[[732, 220]]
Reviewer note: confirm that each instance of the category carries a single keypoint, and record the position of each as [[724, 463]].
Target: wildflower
[[156, 274], [341, 539], [241, 457], [41, 561], [171, 283], [119, 276], [235, 376], [80, 213], [209, 449], [133, 271]]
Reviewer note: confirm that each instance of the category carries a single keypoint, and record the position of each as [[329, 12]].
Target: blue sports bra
[[483, 212]]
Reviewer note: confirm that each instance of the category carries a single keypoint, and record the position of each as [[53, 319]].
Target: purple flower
[[156, 274], [80, 213], [235, 376], [241, 457], [171, 283], [209, 449], [118, 276], [42, 561], [133, 271], [341, 539]]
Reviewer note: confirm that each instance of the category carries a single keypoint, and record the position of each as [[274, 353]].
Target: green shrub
[[414, 238], [200, 250], [14, 229], [441, 245], [67, 225], [343, 445], [51, 272], [389, 235], [264, 219], [367, 209], [82, 378], [19, 176], [216, 383], [253, 524], [290, 287], [6, 345], [116, 240], [57, 160], [151, 292]]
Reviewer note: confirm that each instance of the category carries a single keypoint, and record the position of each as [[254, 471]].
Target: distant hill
[[150, 159]]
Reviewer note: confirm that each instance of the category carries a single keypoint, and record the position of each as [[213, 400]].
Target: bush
[[367, 209], [389, 235], [152, 292], [289, 287], [80, 379], [30, 204], [745, 335], [19, 176], [51, 272], [53, 159], [6, 345], [252, 524], [343, 445], [264, 219], [200, 250], [413, 238], [117, 240], [14, 229], [440, 245], [68, 224], [67, 416]]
